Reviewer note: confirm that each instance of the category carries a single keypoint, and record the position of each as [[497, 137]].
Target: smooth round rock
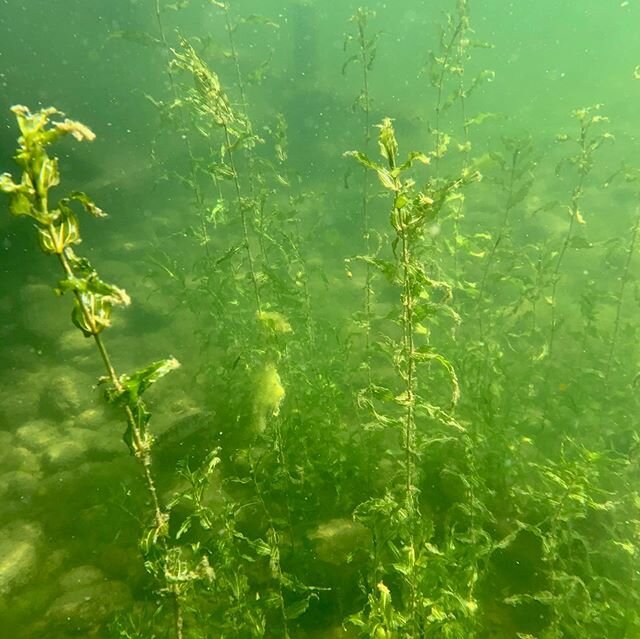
[[81, 577], [65, 454], [82, 609], [37, 434], [19, 543]]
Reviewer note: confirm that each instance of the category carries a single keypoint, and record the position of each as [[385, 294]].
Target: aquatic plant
[[258, 341], [515, 181], [365, 56], [58, 231], [209, 100], [448, 75], [405, 551], [206, 213], [624, 282], [512, 178], [493, 488], [587, 142]]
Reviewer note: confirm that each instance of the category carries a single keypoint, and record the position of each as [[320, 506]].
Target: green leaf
[[56, 236], [412, 157], [48, 176], [480, 118], [387, 268], [427, 355], [91, 313], [387, 141], [7, 185], [363, 159], [295, 610], [348, 61], [87, 281], [400, 201], [387, 179], [403, 568], [137, 383], [20, 204], [87, 203]]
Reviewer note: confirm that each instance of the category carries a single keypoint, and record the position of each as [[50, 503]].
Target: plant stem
[[141, 444], [195, 184], [504, 223], [409, 435], [243, 217], [448, 50], [366, 109], [573, 209], [623, 283]]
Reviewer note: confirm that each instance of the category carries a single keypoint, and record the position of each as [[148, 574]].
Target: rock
[[19, 400], [19, 458], [73, 343], [18, 554], [103, 441], [21, 466], [99, 429], [82, 609], [93, 418], [335, 539], [37, 434], [6, 447], [18, 485], [65, 454], [81, 577], [61, 393]]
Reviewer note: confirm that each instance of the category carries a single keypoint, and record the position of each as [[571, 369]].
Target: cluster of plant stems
[[468, 472]]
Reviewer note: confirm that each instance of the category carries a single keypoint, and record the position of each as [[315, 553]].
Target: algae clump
[[268, 395]]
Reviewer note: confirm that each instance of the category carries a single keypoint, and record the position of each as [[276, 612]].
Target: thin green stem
[[195, 183], [243, 217], [624, 279]]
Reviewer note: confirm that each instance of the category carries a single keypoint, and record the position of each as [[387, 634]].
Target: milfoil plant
[[93, 302], [422, 572]]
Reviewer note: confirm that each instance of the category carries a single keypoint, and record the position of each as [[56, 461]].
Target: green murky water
[[393, 249]]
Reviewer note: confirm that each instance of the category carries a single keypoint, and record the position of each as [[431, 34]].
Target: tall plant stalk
[[256, 202], [58, 231], [517, 166], [210, 101], [448, 76], [365, 56], [194, 181], [412, 209], [624, 280], [583, 161]]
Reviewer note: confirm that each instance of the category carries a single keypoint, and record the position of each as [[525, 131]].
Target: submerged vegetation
[[415, 418]]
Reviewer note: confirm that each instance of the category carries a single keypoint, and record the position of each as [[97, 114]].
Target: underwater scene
[[319, 320]]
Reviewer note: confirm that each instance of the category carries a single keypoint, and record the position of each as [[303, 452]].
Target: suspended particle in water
[[434, 230]]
